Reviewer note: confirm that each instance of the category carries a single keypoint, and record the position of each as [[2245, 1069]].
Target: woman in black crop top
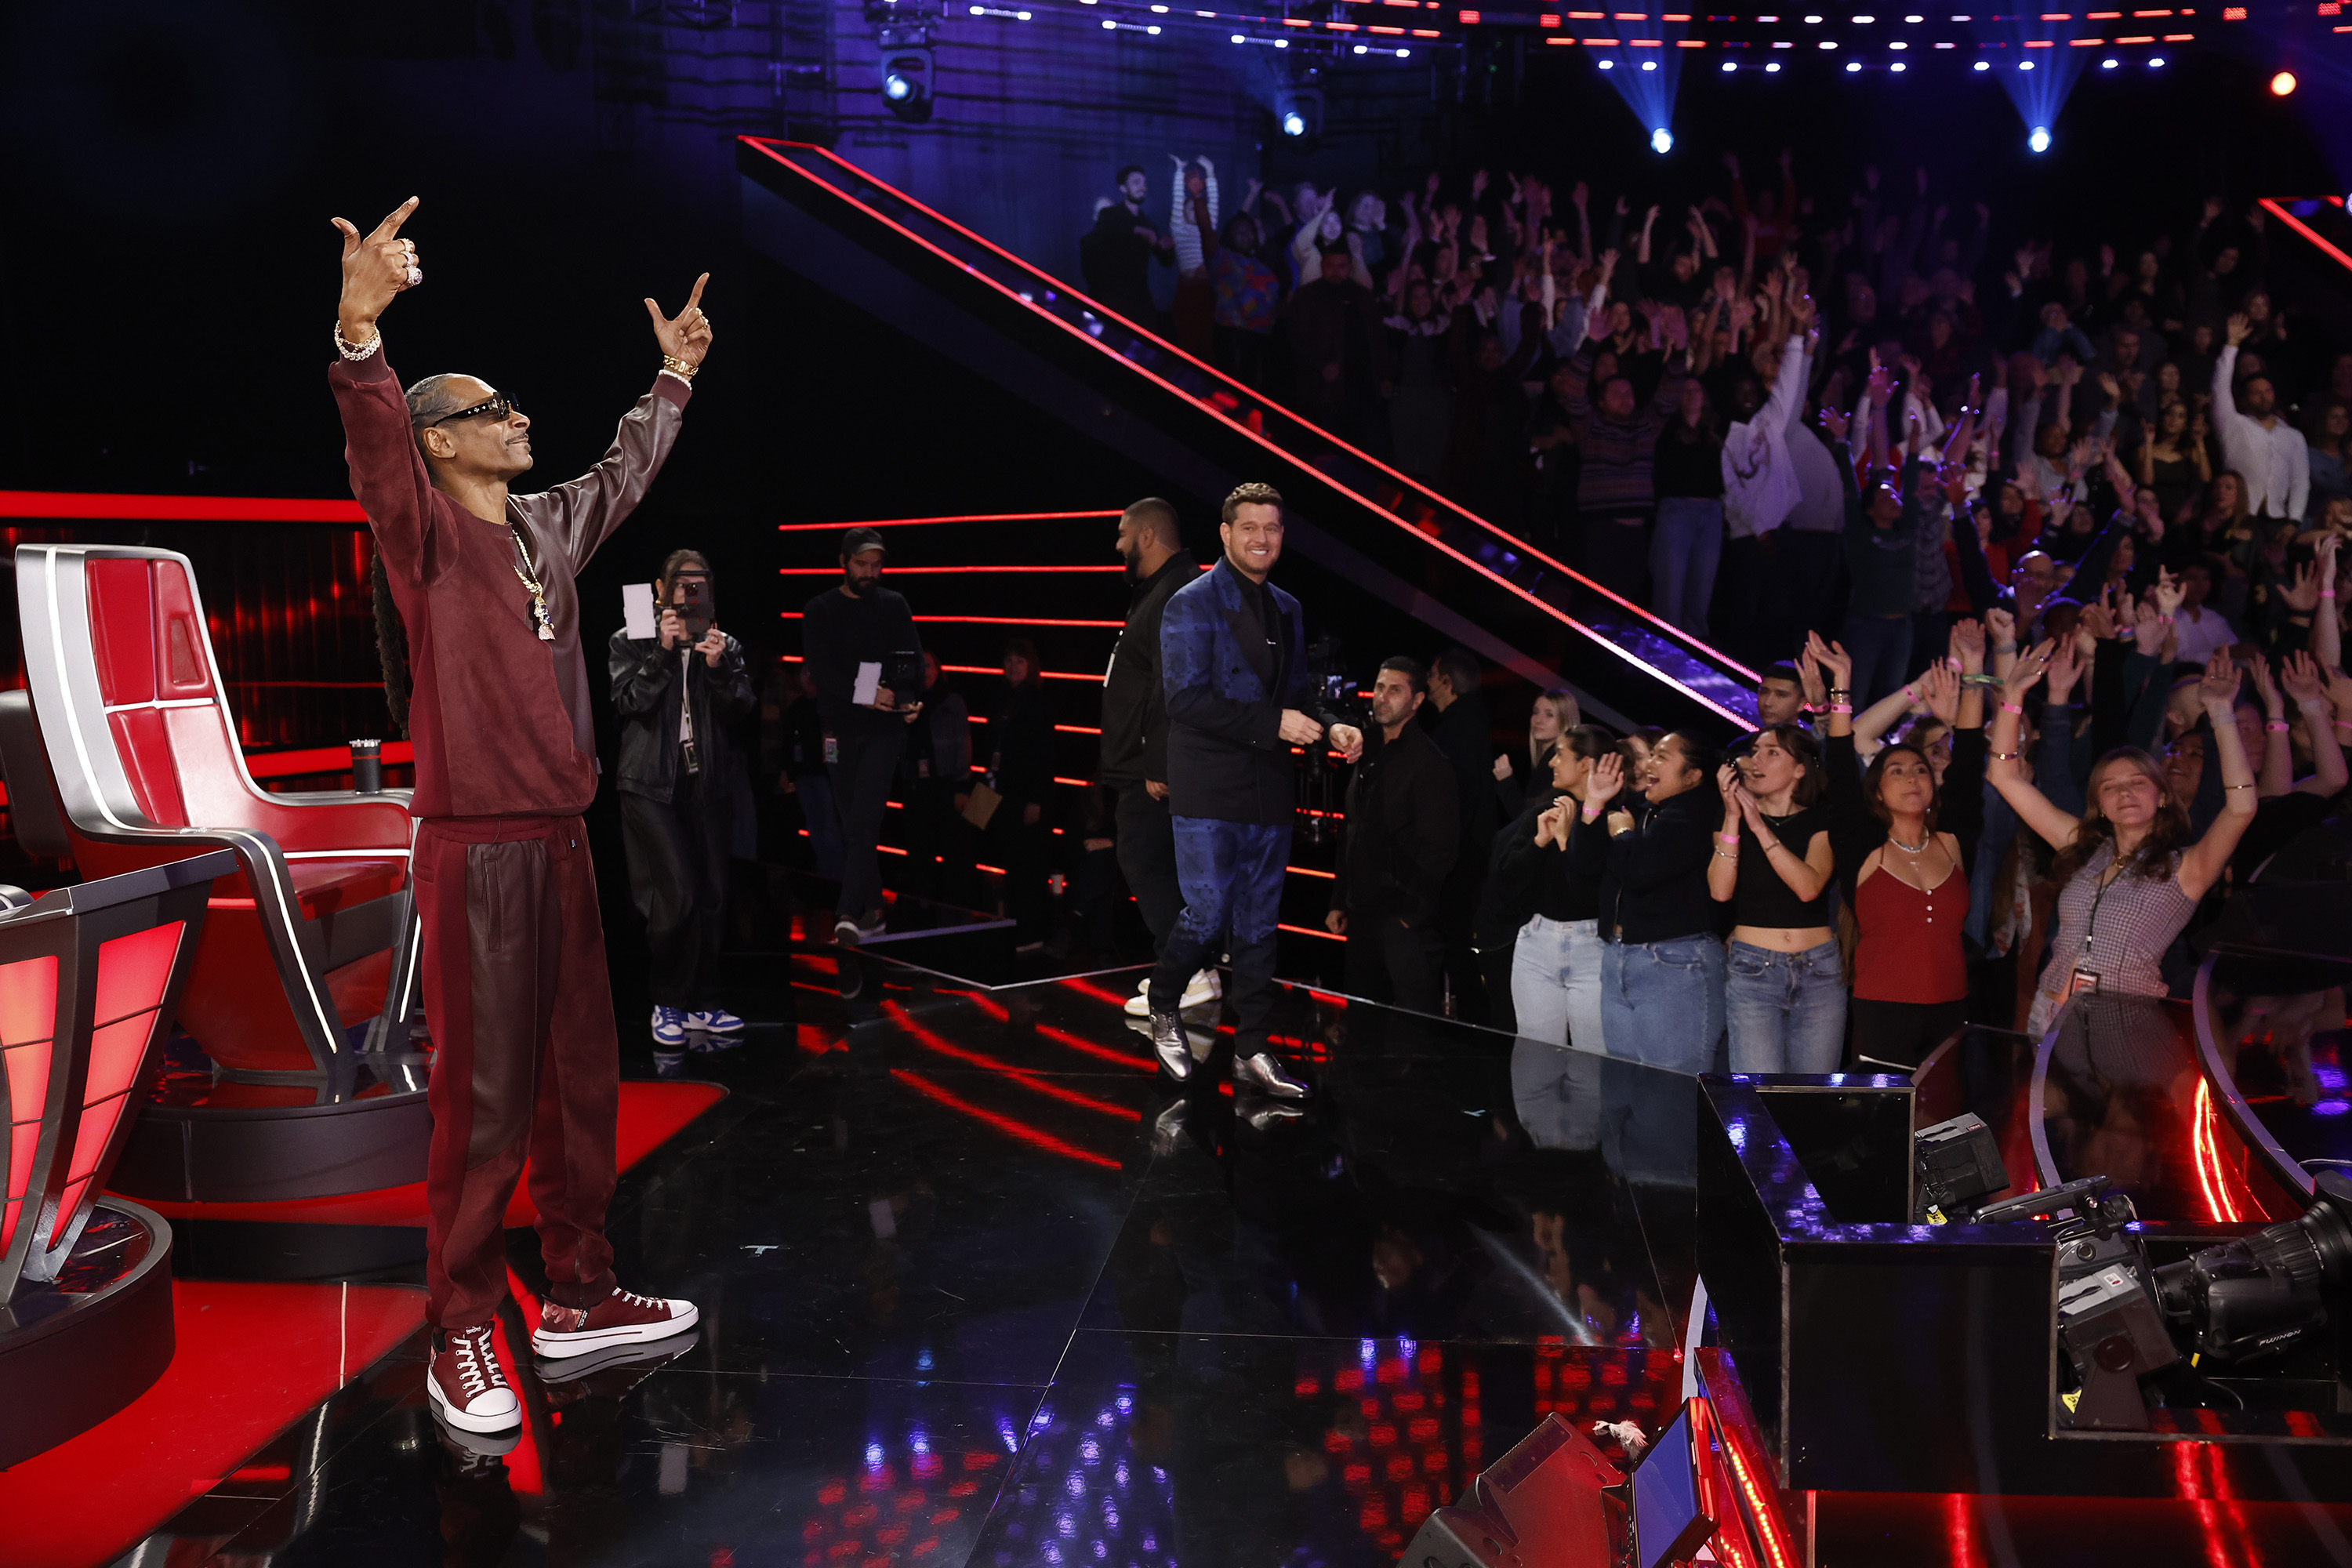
[[1784, 985], [1556, 962]]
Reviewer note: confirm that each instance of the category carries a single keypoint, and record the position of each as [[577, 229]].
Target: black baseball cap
[[859, 540]]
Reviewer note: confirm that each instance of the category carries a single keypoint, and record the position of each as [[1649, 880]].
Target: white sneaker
[[465, 1385], [1205, 987]]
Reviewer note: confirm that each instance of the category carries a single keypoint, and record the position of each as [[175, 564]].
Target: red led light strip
[[1409, 486], [2272, 205], [897, 571], [930, 1040], [60, 505], [1027, 1134], [914, 522], [2212, 1175], [992, 620], [1079, 1043], [1085, 988]]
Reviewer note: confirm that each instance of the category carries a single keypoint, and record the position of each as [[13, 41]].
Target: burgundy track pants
[[526, 1057]]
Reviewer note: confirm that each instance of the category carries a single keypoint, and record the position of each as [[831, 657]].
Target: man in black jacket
[[1118, 254], [676, 774], [843, 629], [1401, 838], [1232, 667], [1135, 733], [1462, 733]]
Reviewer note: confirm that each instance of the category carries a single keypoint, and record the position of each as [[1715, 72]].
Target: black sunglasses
[[498, 407]]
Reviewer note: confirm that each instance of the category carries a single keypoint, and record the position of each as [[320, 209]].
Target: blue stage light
[[1983, 65], [1293, 124], [2038, 139], [897, 88], [1607, 65], [2108, 65], [1662, 140], [1896, 67], [1771, 68]]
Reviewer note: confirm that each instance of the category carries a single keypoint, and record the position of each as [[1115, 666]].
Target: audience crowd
[[2038, 551], [1665, 397]]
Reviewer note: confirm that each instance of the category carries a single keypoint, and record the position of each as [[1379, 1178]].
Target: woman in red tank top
[[1903, 848]]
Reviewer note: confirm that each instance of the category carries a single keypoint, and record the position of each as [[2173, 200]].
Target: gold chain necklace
[[526, 570]]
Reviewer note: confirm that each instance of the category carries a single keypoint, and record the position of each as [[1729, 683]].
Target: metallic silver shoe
[[1169, 1044], [1167, 1130], [1263, 1072]]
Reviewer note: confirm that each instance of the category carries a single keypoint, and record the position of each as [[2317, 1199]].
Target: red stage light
[[2282, 84]]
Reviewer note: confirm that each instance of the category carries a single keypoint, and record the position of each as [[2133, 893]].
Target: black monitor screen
[[1666, 1499]]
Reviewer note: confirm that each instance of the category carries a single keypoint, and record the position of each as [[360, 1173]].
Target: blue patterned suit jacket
[[1226, 684]]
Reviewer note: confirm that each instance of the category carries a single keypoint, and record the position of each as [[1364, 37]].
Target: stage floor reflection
[[979, 1288]]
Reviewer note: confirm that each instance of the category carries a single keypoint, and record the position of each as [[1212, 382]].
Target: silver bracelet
[[357, 352]]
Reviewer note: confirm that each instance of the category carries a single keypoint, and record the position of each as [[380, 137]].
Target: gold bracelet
[[2227, 787], [357, 352], [682, 369]]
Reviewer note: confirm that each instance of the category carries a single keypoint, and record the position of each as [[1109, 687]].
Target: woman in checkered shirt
[[2131, 876]]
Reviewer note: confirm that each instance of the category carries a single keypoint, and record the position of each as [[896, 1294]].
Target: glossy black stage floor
[[978, 1289]]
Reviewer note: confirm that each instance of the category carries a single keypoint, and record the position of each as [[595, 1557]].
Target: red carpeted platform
[[651, 1114], [251, 1358]]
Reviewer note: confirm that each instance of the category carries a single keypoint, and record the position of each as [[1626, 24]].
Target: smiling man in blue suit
[[1233, 662]]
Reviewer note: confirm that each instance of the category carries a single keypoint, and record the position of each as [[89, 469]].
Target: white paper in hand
[[870, 681], [637, 617]]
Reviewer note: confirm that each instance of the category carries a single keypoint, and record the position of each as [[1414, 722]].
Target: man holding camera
[[675, 693], [845, 630], [526, 1057]]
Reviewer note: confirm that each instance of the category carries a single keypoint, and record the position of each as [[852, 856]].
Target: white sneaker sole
[[1195, 996], [451, 1416], [651, 1353], [558, 1347]]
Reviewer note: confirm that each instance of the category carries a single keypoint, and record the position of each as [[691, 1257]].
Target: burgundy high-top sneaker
[[467, 1386], [621, 1317]]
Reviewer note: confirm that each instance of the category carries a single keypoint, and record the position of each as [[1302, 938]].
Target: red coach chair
[[127, 754], [88, 976]]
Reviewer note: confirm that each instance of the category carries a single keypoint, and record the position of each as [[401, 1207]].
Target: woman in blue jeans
[[1556, 963], [1662, 970], [1686, 543], [1784, 991]]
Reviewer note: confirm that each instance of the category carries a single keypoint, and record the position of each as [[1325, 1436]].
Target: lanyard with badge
[[2081, 981]]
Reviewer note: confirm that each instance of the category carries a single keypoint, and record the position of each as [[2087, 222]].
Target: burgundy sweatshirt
[[499, 718]]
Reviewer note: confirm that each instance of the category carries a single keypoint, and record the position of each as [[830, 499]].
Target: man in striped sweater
[[1619, 440]]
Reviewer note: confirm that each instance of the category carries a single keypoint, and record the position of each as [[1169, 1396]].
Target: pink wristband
[[1845, 708], [2277, 726], [2011, 708], [2327, 593], [1726, 838]]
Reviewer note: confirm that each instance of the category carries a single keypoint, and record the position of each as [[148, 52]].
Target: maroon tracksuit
[[516, 993]]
